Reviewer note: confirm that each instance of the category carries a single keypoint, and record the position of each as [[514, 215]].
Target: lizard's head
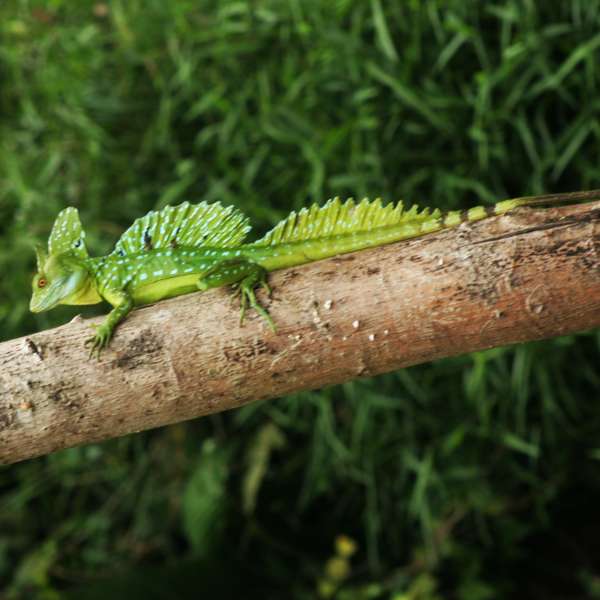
[[62, 275]]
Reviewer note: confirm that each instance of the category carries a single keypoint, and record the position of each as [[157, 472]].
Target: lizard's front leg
[[246, 275], [123, 303]]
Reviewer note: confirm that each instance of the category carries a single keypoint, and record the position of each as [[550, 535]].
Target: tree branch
[[529, 275]]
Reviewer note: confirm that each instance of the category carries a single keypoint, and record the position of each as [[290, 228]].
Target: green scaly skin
[[155, 260]]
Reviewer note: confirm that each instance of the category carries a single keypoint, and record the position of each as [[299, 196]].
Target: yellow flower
[[345, 546]]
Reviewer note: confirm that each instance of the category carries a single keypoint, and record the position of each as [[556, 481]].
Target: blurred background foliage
[[473, 478]]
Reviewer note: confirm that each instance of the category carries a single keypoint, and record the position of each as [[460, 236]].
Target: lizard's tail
[[477, 213], [551, 199], [340, 227]]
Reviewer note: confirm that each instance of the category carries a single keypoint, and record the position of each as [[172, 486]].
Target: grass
[[472, 478]]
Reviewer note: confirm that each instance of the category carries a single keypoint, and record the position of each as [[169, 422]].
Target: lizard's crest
[[67, 234], [187, 224], [342, 218], [62, 276]]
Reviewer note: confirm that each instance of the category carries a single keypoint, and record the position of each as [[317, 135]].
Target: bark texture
[[528, 275]]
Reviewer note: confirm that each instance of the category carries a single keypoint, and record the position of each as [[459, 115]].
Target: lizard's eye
[[41, 282]]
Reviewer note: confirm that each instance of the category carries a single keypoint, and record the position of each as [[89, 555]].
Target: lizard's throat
[[88, 294]]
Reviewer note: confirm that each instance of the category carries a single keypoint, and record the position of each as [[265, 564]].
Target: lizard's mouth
[[40, 304]]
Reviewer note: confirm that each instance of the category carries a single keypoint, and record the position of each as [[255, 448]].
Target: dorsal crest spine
[[187, 224], [342, 218]]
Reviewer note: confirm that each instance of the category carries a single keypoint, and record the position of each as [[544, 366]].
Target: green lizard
[[190, 247]]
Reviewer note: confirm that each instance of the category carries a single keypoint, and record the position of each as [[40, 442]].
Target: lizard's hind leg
[[246, 276], [257, 277]]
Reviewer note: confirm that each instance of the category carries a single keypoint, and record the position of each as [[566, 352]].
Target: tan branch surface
[[529, 275]]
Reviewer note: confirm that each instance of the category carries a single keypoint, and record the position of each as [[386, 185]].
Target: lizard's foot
[[99, 341], [246, 287], [245, 275]]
